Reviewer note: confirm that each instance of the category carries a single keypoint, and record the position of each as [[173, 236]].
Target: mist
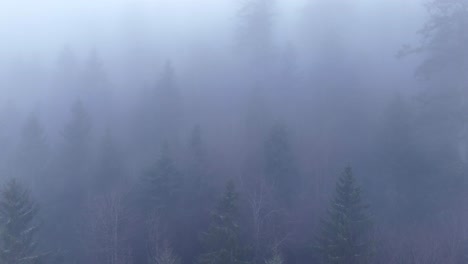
[[233, 131]]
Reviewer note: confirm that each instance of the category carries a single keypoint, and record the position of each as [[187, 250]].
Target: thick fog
[[233, 131]]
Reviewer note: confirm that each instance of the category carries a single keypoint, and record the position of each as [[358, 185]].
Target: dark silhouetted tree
[[343, 238], [280, 170], [163, 185]]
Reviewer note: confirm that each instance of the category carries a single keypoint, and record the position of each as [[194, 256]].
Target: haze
[[233, 131]]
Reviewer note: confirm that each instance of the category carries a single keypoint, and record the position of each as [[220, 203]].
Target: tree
[[17, 216], [106, 230], [443, 104], [168, 106], [197, 158], [76, 140], [222, 240], [95, 90], [404, 164], [256, 30], [163, 185], [164, 255], [275, 259], [343, 236], [280, 170], [110, 168], [32, 155], [71, 182], [443, 70]]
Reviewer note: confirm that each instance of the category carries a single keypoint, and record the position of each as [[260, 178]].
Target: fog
[[233, 131]]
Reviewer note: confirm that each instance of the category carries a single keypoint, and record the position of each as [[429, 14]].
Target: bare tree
[[107, 230], [159, 249]]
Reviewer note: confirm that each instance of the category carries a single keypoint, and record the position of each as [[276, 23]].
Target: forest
[[234, 132]]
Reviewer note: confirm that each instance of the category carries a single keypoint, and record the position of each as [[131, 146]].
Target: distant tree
[[280, 170], [67, 79], [33, 152], [109, 167], [95, 89], [106, 229], [163, 185], [94, 75], [343, 238], [443, 39], [76, 140], [71, 183], [159, 115], [222, 240], [197, 164], [404, 164], [255, 33], [17, 217], [168, 106], [67, 66]]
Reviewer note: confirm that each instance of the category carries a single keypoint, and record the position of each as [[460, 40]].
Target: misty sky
[[51, 23]]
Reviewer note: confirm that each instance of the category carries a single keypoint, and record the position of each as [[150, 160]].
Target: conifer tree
[[256, 30], [110, 166], [32, 155], [222, 241], [343, 236], [163, 183], [76, 139], [17, 237], [168, 106], [197, 161], [280, 170]]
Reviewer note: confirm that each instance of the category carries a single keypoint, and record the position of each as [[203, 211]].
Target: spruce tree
[[17, 237], [280, 170], [76, 136], [168, 106], [222, 241], [163, 184], [197, 163], [343, 237], [110, 168], [32, 154]]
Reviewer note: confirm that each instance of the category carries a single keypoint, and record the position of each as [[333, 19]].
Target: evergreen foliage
[[32, 156], [163, 184], [343, 237], [222, 241], [18, 231], [280, 170], [110, 164]]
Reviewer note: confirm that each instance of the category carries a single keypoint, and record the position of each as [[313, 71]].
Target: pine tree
[[197, 162], [110, 168], [18, 231], [222, 241], [76, 139], [343, 238], [32, 155], [169, 108], [72, 182], [163, 184], [280, 170], [256, 30]]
